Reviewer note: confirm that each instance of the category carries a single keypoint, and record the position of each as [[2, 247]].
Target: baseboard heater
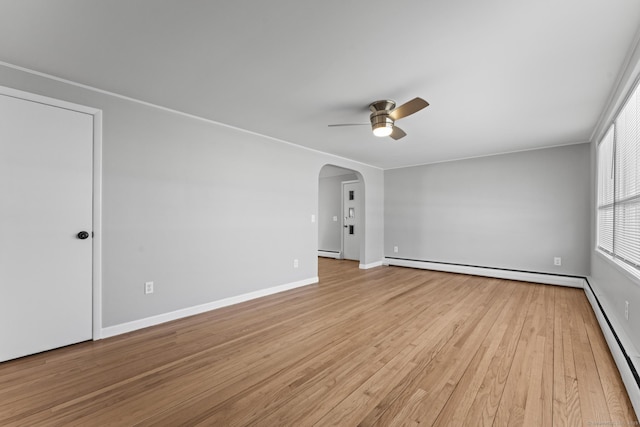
[[620, 346], [500, 273], [330, 254]]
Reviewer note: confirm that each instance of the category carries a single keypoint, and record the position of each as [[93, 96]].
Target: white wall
[[330, 205], [204, 210], [514, 211]]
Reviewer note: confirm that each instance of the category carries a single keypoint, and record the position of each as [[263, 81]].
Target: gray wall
[[330, 205], [515, 211], [203, 210]]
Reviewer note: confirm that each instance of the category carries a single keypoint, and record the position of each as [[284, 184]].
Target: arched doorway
[[340, 213]]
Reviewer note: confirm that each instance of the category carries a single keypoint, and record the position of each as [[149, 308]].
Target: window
[[619, 187]]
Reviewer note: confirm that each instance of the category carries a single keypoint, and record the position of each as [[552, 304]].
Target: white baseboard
[[621, 362], [330, 254], [548, 279], [370, 265], [190, 311]]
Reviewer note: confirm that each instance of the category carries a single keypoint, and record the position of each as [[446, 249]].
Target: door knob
[[82, 235]]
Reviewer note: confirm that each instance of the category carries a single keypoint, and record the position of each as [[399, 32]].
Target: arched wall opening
[[341, 213]]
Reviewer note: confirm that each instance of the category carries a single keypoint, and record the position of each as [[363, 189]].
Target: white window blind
[[619, 186]]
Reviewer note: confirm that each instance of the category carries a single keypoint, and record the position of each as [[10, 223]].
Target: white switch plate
[[626, 310], [148, 287], [557, 261], [395, 249], [335, 218], [295, 263], [313, 218]]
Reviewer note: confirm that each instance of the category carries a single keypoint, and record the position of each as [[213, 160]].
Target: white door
[[351, 220], [46, 186]]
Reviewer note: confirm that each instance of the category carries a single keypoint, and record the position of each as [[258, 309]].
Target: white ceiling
[[501, 75]]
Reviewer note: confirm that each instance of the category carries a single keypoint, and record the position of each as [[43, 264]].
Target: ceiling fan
[[384, 114]]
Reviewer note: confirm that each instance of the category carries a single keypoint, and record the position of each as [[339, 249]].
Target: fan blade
[[350, 124], [397, 133], [408, 108]]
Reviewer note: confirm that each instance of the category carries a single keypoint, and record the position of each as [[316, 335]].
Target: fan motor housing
[[381, 119], [383, 105]]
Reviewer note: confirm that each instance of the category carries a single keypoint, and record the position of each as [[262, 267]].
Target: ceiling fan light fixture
[[384, 115], [381, 123], [382, 129]]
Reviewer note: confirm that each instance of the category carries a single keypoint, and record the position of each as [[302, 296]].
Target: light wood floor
[[386, 346]]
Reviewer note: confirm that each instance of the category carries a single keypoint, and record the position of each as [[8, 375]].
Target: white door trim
[[97, 192]]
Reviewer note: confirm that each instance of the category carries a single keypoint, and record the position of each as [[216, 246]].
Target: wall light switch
[[335, 218], [295, 263], [148, 287], [313, 218], [395, 249], [626, 310], [557, 261]]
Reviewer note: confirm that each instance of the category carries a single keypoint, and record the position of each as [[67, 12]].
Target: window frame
[[631, 270]]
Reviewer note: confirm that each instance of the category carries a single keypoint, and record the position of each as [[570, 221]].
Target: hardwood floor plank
[[382, 346], [547, 370], [445, 329], [559, 410], [485, 405], [511, 409], [437, 329], [534, 414], [441, 374], [592, 400], [467, 389], [572, 396]]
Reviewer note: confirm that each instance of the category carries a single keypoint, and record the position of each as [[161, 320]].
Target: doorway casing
[[355, 176], [97, 194]]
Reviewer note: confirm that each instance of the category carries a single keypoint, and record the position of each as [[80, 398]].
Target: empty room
[[319, 213]]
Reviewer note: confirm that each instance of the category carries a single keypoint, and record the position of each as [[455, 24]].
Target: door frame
[[96, 278], [355, 181]]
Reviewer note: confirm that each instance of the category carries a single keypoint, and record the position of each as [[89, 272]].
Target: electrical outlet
[[148, 287], [295, 263], [626, 310], [557, 261], [395, 249]]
